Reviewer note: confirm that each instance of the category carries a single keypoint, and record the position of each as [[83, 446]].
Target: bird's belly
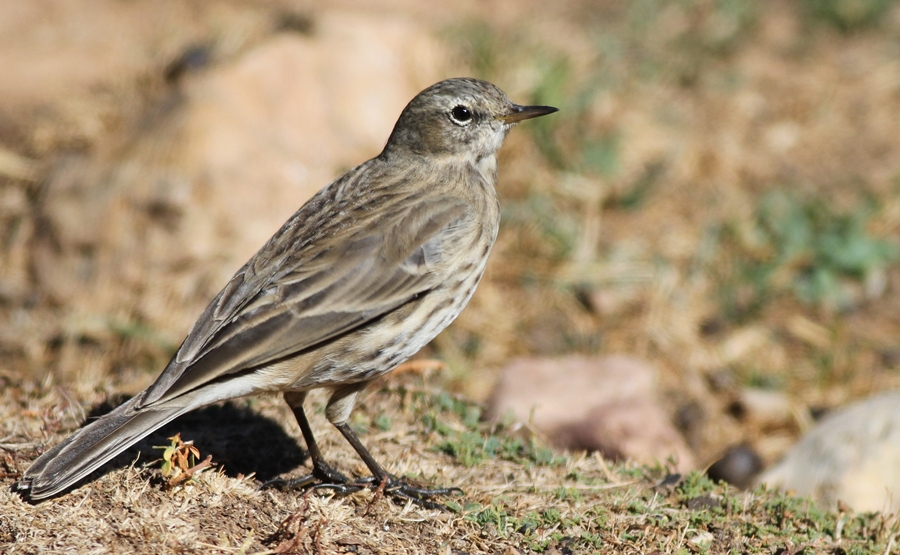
[[381, 345]]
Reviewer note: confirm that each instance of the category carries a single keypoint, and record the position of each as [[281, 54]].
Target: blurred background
[[717, 197]]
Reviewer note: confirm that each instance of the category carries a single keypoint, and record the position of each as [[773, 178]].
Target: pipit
[[365, 274]]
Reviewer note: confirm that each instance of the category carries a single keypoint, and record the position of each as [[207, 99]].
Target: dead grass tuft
[[517, 495], [640, 221]]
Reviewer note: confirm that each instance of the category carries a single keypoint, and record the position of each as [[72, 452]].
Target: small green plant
[[178, 455], [694, 485], [472, 448], [689, 54], [480, 46], [471, 442], [179, 461], [805, 248], [382, 422], [490, 515], [849, 15]]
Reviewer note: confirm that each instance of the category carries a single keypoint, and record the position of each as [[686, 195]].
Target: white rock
[[852, 455]]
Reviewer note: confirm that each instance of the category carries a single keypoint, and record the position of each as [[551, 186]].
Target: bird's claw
[[400, 489], [391, 486]]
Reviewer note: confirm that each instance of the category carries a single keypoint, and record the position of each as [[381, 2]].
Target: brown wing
[[278, 307]]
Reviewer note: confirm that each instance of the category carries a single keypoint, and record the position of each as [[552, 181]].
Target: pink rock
[[607, 404]]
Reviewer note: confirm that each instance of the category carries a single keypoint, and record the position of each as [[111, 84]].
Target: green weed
[[805, 248], [848, 15]]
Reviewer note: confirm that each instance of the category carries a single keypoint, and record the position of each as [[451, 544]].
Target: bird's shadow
[[240, 441]]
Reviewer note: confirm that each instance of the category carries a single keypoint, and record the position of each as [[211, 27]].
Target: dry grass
[[519, 497], [639, 221]]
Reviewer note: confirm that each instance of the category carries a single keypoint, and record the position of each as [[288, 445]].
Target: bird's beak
[[519, 113]]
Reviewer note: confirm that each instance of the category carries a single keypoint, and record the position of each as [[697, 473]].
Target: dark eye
[[461, 115]]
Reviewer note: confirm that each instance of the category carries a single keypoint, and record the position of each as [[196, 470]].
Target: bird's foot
[[325, 477], [403, 491], [322, 477]]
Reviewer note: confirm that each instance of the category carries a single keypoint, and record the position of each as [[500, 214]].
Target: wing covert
[[310, 298]]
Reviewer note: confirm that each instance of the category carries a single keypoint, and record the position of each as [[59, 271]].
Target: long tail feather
[[92, 446]]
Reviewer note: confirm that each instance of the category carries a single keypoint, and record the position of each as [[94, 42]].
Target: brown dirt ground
[[702, 111]]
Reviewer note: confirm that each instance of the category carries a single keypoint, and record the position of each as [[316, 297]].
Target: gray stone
[[852, 455]]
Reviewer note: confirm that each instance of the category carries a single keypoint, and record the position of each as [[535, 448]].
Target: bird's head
[[461, 116]]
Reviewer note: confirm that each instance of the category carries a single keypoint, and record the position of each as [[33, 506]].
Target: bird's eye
[[461, 115]]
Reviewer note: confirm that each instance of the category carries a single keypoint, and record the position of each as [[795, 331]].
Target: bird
[[360, 278]]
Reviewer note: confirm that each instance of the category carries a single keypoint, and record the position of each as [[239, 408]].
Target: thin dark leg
[[323, 473], [321, 469], [339, 407], [394, 486], [338, 411]]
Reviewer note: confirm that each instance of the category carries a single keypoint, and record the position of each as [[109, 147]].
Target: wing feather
[[275, 308]]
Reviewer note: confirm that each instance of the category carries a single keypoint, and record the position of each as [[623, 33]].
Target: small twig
[[293, 525], [189, 473], [18, 446], [379, 493]]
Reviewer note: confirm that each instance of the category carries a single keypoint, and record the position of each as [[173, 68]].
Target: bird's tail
[[90, 447]]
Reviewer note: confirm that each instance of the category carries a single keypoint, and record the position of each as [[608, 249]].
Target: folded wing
[[280, 307]]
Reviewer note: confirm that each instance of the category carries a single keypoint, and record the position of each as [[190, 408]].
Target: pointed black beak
[[519, 113]]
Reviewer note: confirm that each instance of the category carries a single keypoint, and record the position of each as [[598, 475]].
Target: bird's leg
[[322, 473], [337, 412], [396, 487]]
